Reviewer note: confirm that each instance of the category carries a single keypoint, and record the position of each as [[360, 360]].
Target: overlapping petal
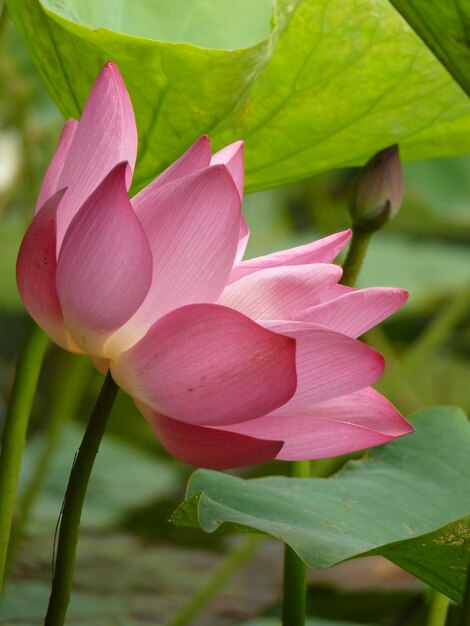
[[36, 271], [192, 228], [196, 157], [321, 251], [281, 292], [207, 364], [232, 156], [212, 448], [50, 183], [339, 426], [329, 364], [106, 135], [105, 265], [356, 311]]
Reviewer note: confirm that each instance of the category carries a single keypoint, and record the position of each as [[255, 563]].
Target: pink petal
[[321, 251], [105, 265], [196, 157], [106, 135], [340, 426], [36, 271], [357, 311], [329, 365], [243, 238], [208, 447], [232, 157], [281, 292], [51, 178], [206, 364], [192, 227]]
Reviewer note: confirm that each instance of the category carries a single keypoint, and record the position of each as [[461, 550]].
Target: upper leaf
[[408, 500], [444, 27], [325, 87]]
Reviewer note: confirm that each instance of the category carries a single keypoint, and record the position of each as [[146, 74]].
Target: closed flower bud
[[377, 191]]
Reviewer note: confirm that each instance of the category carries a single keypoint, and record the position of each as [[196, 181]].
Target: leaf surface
[[317, 86], [444, 27], [408, 500]]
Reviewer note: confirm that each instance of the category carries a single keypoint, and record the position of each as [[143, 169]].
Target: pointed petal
[[206, 364], [196, 157], [243, 238], [192, 227], [321, 251], [106, 135], [339, 426], [36, 271], [328, 364], [356, 312], [51, 178], [105, 265], [281, 292], [208, 447], [233, 157]]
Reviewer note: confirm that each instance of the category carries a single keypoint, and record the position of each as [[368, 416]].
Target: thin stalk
[[438, 609], [71, 378], [73, 504], [295, 570], [14, 433], [355, 257], [237, 557]]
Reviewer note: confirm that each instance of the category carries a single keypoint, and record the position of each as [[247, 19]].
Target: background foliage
[[369, 81]]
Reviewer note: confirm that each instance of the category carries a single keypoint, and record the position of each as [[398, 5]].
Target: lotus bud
[[377, 191]]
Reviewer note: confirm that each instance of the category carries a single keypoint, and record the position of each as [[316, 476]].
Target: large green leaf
[[444, 27], [328, 84], [408, 500]]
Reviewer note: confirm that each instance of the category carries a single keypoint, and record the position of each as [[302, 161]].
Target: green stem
[[73, 504], [295, 570], [465, 612], [14, 434], [438, 609], [356, 253], [235, 559], [70, 378]]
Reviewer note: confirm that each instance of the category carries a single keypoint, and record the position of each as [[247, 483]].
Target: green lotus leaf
[[408, 500], [308, 84]]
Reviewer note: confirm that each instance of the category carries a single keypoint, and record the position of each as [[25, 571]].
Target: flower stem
[[356, 253], [73, 504], [438, 609], [14, 433], [235, 559], [295, 570], [70, 377]]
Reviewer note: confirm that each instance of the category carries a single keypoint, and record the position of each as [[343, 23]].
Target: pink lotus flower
[[232, 362]]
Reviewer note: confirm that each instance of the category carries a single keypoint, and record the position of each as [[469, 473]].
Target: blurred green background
[[134, 567]]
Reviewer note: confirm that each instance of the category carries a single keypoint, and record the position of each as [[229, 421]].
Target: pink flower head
[[232, 362]]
